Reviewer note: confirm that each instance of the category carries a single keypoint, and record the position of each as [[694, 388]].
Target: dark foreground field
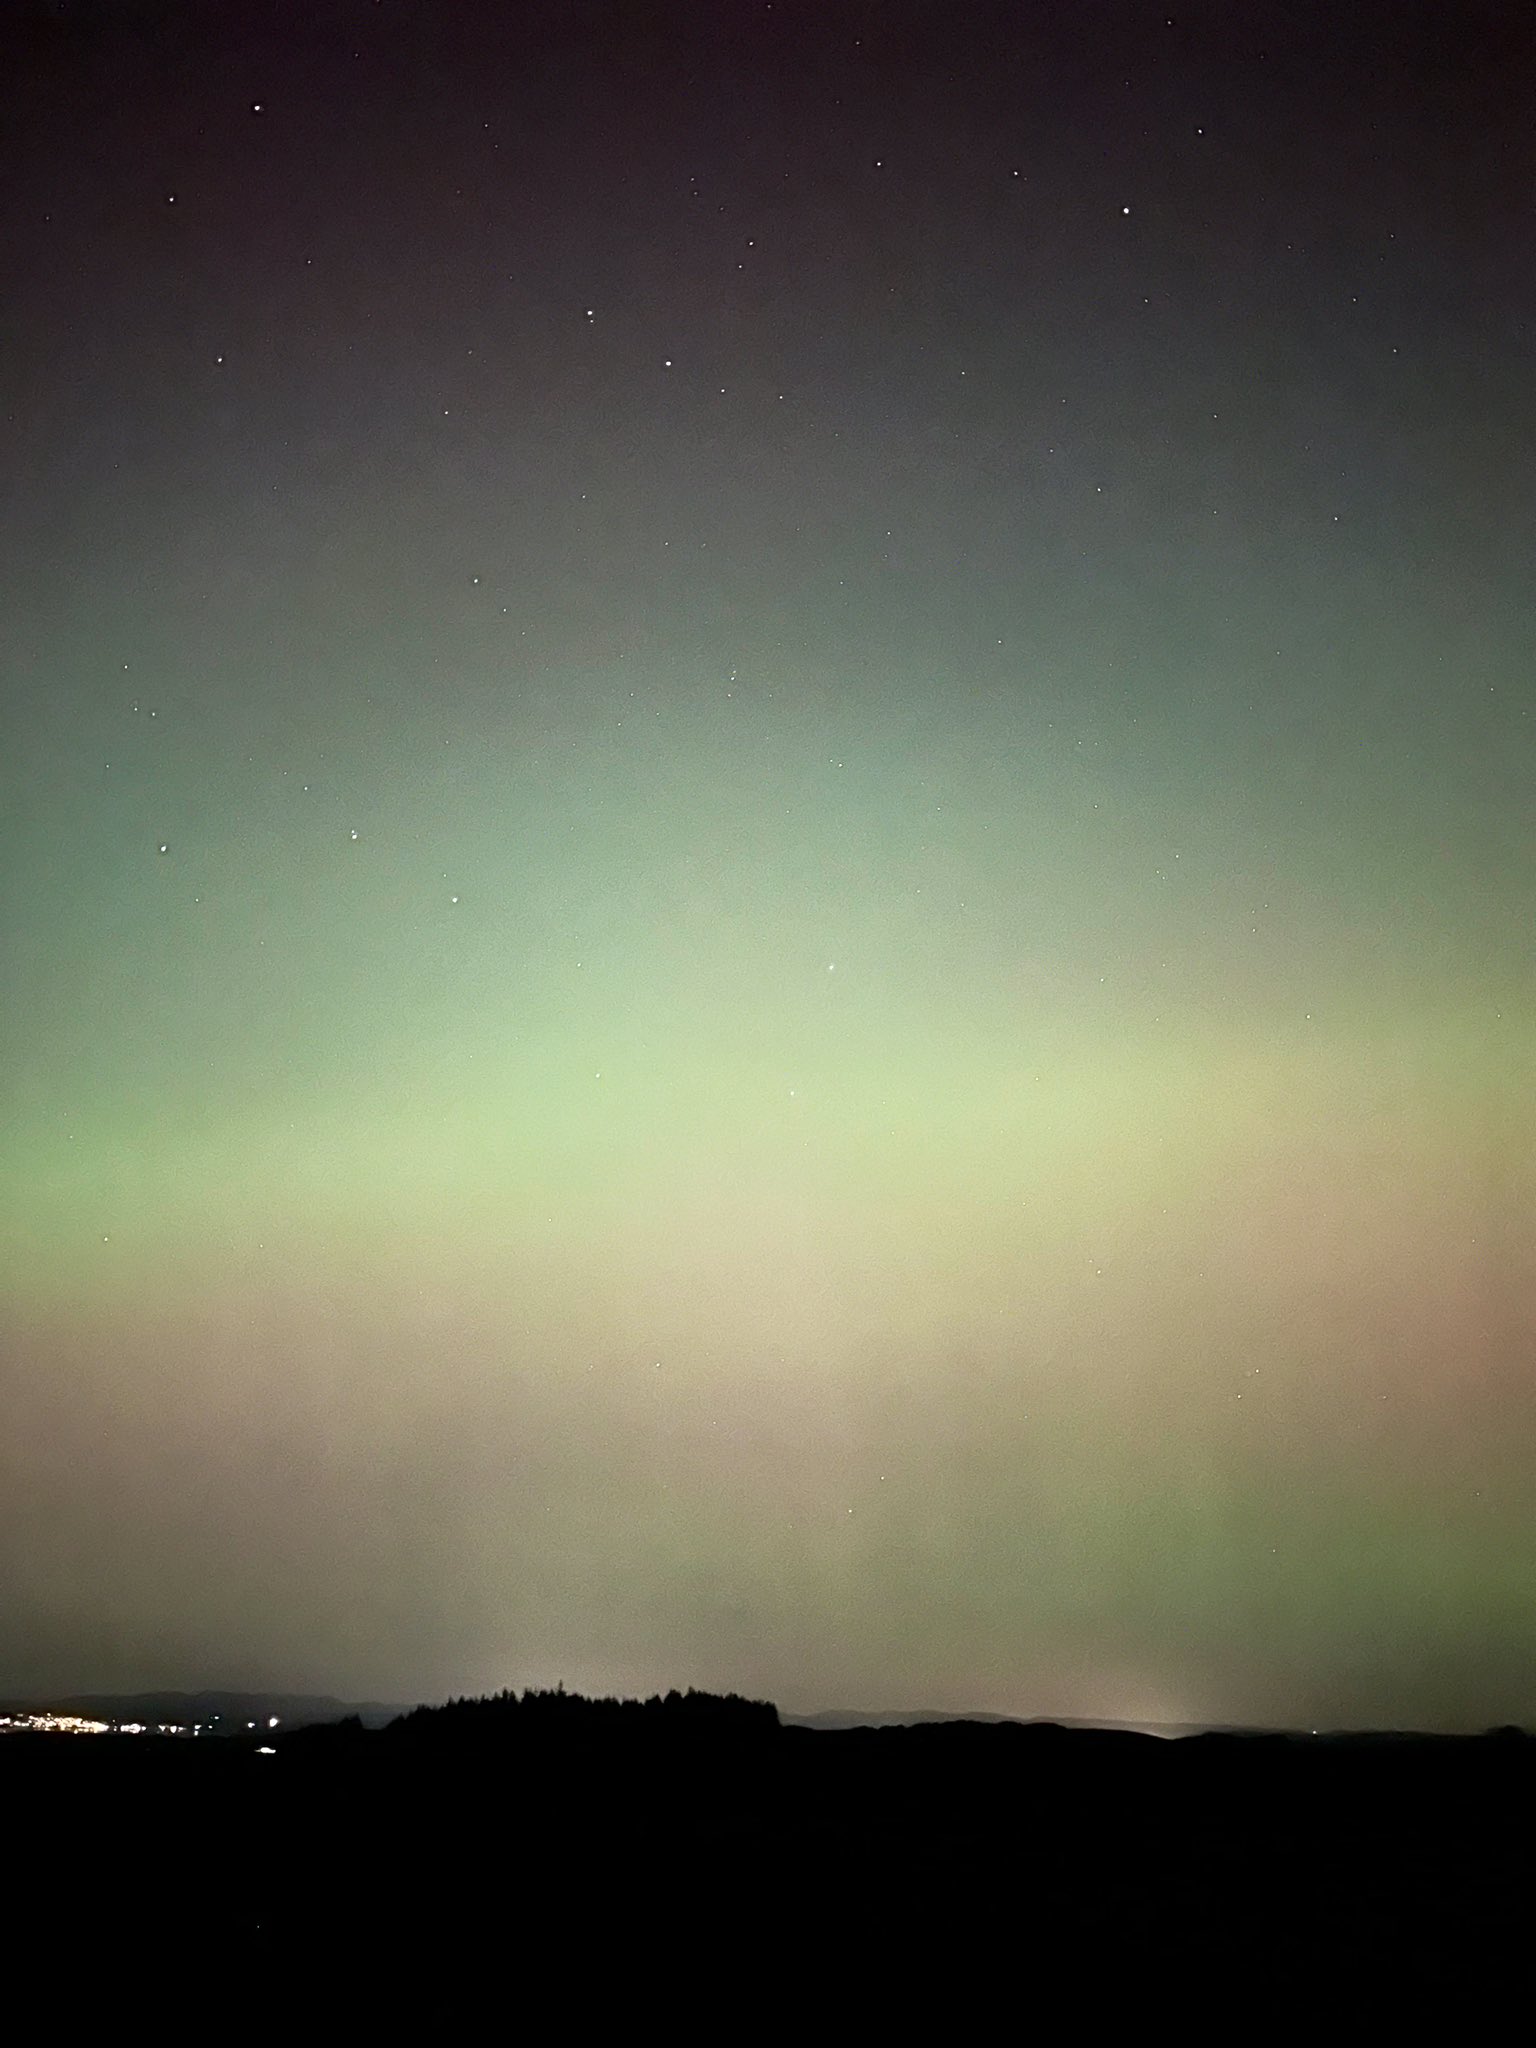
[[873, 1877]]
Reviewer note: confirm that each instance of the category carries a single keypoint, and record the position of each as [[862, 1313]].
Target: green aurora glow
[[919, 1085]]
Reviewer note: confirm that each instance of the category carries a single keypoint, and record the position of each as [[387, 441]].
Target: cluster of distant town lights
[[80, 1724]]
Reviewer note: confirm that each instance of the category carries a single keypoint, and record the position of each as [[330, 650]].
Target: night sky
[[766, 864]]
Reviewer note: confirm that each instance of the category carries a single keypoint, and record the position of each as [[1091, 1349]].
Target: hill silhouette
[[590, 1837]]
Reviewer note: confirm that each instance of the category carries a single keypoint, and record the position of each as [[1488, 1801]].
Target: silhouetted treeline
[[554, 1715]]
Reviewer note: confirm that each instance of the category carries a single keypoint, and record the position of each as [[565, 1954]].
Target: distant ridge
[[835, 1719], [838, 1718], [235, 1711]]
